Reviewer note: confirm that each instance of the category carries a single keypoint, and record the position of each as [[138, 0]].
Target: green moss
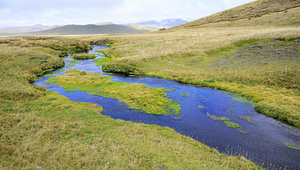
[[245, 42], [184, 93], [292, 146], [73, 61], [102, 61], [136, 96], [247, 118], [201, 107], [49, 75], [298, 48], [243, 132], [218, 118], [83, 56], [232, 124]]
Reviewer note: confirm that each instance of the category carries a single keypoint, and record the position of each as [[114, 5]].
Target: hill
[[165, 22], [21, 29], [250, 11], [91, 29]]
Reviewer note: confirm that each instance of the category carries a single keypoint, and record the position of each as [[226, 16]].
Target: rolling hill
[[251, 11], [91, 29], [165, 22], [21, 29]]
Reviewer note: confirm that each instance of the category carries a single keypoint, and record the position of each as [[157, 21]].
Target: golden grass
[[250, 11], [54, 133]]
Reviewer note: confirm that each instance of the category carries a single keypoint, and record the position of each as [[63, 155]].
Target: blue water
[[263, 143]]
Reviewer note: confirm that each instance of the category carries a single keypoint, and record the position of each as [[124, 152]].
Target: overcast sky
[[63, 12]]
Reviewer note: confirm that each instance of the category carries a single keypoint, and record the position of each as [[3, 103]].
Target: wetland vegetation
[[137, 96], [249, 56], [41, 129]]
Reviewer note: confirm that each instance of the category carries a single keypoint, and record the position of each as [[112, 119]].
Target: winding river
[[262, 141]]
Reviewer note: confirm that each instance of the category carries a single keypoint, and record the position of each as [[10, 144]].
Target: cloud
[[62, 12]]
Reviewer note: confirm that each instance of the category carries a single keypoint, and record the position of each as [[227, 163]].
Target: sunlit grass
[[53, 132]]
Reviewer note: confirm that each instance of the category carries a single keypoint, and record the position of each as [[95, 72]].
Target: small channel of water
[[263, 142]]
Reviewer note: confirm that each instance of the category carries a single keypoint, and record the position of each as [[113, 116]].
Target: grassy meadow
[[256, 57], [44, 130], [253, 58]]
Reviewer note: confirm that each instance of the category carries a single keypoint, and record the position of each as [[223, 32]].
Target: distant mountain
[[165, 22], [104, 23], [21, 29], [91, 29]]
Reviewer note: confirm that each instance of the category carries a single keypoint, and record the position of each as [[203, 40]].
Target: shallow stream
[[262, 139]]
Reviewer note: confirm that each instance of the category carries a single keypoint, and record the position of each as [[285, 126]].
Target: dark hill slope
[[248, 11], [91, 29]]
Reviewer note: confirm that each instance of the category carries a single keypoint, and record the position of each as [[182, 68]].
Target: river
[[263, 140]]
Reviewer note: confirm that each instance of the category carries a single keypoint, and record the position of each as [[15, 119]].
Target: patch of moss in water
[[232, 124], [218, 118], [248, 119], [243, 132], [137, 96], [73, 61], [49, 75], [238, 98], [83, 56], [184, 93], [292, 146], [201, 107]]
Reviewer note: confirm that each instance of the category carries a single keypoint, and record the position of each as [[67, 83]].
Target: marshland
[[203, 65]]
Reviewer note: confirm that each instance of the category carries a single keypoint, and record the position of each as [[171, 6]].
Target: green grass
[[102, 61], [53, 132], [83, 56], [136, 96], [73, 61], [263, 71]]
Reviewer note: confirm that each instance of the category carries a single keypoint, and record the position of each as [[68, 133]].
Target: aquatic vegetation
[[202, 107], [73, 61], [184, 93], [243, 132], [247, 118], [292, 146], [136, 96], [232, 124], [49, 75], [83, 56], [218, 118]]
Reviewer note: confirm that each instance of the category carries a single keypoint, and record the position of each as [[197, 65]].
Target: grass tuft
[[83, 56]]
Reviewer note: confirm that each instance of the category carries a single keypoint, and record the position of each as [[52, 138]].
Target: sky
[[64, 12]]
